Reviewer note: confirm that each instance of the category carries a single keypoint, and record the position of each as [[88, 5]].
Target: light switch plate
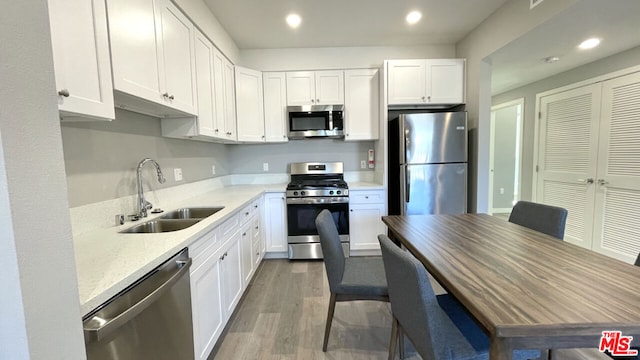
[[265, 167], [177, 173], [213, 169], [363, 164]]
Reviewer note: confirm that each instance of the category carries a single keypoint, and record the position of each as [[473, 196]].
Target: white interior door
[[567, 157], [505, 150], [617, 221]]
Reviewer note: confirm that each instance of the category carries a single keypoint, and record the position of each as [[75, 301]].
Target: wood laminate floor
[[282, 316]]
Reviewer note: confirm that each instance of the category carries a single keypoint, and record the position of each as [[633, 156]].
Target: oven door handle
[[318, 201]]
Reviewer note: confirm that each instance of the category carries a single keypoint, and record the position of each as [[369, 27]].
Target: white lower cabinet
[[230, 261], [275, 216], [247, 253], [366, 208], [206, 304]]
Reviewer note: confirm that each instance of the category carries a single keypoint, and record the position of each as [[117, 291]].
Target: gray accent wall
[[604, 66], [504, 157], [101, 157], [249, 159]]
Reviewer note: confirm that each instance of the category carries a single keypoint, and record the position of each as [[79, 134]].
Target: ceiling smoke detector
[[551, 59]]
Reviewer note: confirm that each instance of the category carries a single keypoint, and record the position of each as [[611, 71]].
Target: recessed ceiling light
[[294, 20], [413, 17], [589, 43]]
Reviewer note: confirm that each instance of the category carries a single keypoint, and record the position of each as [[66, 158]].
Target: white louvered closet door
[[617, 216], [567, 157]]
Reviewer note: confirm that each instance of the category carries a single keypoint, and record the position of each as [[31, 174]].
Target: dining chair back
[[637, 263], [546, 219], [350, 279]]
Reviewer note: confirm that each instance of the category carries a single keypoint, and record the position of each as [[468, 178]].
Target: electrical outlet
[[213, 169], [177, 174], [501, 191], [363, 164], [265, 167]]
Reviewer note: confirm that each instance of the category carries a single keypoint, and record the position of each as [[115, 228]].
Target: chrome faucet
[[144, 205]]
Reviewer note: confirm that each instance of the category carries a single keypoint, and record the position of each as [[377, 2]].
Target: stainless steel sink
[[191, 213], [160, 225]]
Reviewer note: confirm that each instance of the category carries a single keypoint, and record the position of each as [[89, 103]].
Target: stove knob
[[302, 193], [339, 192], [331, 192], [295, 193]]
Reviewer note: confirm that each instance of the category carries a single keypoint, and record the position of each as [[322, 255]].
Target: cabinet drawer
[[203, 247], [366, 197], [228, 227]]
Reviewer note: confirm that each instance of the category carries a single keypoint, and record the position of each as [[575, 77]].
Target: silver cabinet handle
[[171, 97], [312, 101], [64, 92], [317, 101], [588, 180], [165, 95], [423, 98], [99, 333]]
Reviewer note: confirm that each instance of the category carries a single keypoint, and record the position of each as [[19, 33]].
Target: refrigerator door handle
[[407, 184], [403, 139]]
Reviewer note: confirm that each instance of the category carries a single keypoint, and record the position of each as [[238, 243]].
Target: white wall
[[337, 57], [39, 304], [507, 24]]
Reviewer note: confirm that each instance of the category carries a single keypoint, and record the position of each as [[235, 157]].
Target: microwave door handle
[[330, 121]]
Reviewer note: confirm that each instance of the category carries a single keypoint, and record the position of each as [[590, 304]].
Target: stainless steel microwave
[[310, 121]]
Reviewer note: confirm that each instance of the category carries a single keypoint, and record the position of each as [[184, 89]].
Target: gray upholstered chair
[[436, 332], [351, 278], [546, 219], [637, 263]]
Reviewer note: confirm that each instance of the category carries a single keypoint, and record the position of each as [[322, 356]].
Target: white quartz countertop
[[108, 261]]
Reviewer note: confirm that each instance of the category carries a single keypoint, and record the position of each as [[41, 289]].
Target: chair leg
[[332, 307], [394, 338], [401, 341]]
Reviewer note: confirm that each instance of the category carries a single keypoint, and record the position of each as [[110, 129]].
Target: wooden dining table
[[527, 289]]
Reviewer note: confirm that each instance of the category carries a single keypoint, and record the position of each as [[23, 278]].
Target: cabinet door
[[218, 93], [206, 303], [329, 87], [366, 209], [275, 222], [81, 58], [204, 51], [445, 81], [246, 239], [232, 274], [362, 88], [249, 105], [275, 107], [177, 34], [301, 88], [258, 242], [134, 56], [407, 79], [229, 101]]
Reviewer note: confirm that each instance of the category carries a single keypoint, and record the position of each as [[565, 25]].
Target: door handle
[[588, 180], [407, 184], [602, 182]]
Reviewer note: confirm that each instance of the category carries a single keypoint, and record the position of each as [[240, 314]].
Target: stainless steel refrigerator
[[428, 163]]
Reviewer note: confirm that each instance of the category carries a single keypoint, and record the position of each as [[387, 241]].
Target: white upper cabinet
[[428, 82], [152, 57], [249, 105], [275, 106], [205, 81], [315, 87], [361, 104], [81, 59], [229, 119]]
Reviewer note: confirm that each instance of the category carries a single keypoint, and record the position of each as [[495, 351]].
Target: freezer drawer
[[434, 189]]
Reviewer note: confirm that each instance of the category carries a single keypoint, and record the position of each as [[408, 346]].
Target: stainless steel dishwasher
[[151, 319]]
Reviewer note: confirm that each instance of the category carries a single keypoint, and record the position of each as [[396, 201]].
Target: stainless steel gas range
[[314, 187]]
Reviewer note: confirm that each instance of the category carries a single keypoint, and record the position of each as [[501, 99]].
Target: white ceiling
[[335, 23], [615, 22], [260, 24]]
